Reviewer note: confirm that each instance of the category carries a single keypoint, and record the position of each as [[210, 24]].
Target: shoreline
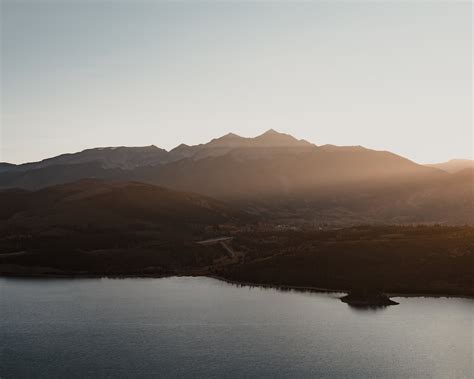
[[226, 280], [334, 290]]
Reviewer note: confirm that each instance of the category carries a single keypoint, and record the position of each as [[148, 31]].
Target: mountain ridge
[[86, 200], [454, 165], [280, 178], [126, 157], [271, 162], [129, 157]]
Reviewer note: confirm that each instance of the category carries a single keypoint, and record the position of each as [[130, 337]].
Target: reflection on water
[[368, 308], [204, 327]]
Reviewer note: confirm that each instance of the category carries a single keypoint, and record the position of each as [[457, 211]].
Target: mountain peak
[[231, 135], [271, 132], [230, 139], [272, 138]]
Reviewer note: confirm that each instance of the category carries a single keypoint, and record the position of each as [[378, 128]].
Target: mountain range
[[454, 165], [275, 176], [128, 158]]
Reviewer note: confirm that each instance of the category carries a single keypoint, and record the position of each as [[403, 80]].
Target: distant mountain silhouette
[[128, 158], [274, 175], [231, 142], [278, 161], [454, 165], [108, 157]]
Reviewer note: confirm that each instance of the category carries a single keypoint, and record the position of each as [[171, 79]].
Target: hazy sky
[[386, 75]]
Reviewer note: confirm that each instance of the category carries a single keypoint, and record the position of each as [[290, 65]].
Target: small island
[[367, 298]]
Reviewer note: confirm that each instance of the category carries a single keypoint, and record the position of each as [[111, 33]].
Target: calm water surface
[[195, 327]]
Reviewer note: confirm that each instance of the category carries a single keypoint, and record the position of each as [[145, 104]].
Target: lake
[[196, 326]]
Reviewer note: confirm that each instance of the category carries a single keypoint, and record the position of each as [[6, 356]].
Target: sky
[[391, 76]]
